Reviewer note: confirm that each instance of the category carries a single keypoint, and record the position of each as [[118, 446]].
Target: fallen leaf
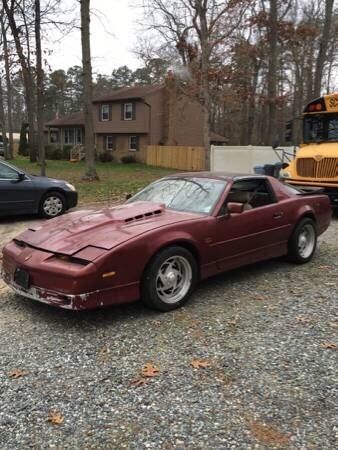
[[138, 382], [329, 345], [55, 418], [232, 323], [199, 364], [268, 434], [260, 298], [148, 370], [303, 319], [17, 373]]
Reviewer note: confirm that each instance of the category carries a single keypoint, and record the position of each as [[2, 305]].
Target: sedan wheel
[[169, 279], [52, 205], [303, 241]]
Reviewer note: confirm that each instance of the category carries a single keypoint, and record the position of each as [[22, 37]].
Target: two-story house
[[127, 120]]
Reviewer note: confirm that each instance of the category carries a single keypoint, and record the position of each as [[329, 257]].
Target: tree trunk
[[27, 78], [204, 89], [10, 147], [3, 122], [90, 172], [321, 58], [39, 89], [272, 72]]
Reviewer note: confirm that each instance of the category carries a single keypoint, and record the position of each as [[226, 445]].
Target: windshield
[[321, 128], [198, 195]]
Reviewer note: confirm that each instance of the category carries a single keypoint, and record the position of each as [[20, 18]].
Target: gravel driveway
[[261, 340]]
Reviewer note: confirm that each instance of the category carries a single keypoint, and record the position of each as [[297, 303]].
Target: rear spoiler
[[310, 190]]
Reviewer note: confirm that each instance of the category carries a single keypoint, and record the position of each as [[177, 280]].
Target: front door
[[259, 232], [16, 195]]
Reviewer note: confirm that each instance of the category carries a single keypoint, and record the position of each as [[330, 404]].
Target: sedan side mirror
[[235, 208], [21, 176]]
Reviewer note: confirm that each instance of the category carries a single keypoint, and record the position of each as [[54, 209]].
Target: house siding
[[116, 124], [122, 146]]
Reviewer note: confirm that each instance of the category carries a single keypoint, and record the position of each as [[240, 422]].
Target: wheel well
[[57, 190], [309, 215], [185, 244]]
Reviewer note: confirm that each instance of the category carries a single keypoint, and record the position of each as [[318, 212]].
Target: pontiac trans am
[[163, 240]]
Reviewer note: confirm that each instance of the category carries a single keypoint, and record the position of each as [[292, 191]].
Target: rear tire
[[169, 279], [303, 241], [52, 204]]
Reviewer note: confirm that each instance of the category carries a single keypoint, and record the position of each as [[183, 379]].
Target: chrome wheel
[[52, 206], [173, 279], [306, 240]]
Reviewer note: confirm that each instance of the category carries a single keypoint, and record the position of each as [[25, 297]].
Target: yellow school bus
[[316, 162]]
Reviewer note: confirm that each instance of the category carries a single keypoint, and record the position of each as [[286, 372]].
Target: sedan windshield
[[198, 195]]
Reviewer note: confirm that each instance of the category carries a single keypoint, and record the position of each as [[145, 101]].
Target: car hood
[[104, 229], [46, 180]]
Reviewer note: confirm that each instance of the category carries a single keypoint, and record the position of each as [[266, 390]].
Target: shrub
[[105, 156], [128, 159]]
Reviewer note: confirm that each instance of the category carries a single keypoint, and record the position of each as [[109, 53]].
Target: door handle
[[278, 215]]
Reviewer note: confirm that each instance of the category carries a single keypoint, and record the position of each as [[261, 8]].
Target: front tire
[[52, 204], [169, 279], [303, 241]]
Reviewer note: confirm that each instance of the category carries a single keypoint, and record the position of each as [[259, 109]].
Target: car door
[[17, 195], [255, 234]]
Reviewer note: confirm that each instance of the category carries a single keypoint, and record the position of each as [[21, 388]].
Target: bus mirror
[[288, 131], [275, 143]]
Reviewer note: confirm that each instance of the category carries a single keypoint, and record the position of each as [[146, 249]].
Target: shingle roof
[[73, 119], [133, 92], [217, 137]]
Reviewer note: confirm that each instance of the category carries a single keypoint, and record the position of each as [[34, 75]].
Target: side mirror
[[275, 144], [21, 176], [235, 208]]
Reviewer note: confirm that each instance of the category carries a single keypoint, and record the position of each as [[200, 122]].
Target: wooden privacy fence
[[176, 157]]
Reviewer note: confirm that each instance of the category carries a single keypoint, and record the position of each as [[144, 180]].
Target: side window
[[7, 173], [253, 193]]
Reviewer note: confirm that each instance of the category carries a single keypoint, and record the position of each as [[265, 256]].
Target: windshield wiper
[[191, 181]]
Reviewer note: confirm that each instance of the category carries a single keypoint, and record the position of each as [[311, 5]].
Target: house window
[[128, 111], [104, 113], [69, 136], [73, 136], [133, 143], [78, 135], [109, 142]]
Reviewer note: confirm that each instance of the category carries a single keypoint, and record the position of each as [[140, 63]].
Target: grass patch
[[116, 180]]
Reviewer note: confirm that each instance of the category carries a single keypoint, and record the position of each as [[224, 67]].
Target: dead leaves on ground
[[148, 371], [304, 320], [55, 418], [268, 434], [200, 364], [329, 345], [17, 373]]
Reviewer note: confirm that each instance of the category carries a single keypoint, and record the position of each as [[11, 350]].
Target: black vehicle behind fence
[[22, 193]]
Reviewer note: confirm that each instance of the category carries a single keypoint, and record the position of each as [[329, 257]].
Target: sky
[[113, 35]]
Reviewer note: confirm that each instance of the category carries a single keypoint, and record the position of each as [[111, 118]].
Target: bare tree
[[198, 28], [39, 88], [323, 46], [8, 87], [26, 73], [90, 172]]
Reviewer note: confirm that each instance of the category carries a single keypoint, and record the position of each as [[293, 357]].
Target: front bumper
[[72, 199], [89, 300]]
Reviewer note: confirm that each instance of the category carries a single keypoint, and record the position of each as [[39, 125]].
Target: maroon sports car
[[176, 231]]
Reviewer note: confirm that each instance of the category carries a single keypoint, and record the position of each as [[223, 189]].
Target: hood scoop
[[145, 215]]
